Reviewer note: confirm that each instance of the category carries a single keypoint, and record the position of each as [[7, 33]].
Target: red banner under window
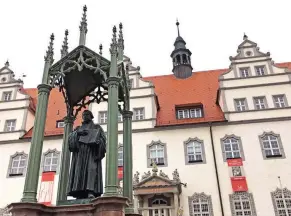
[[235, 162], [239, 184], [120, 173], [46, 188]]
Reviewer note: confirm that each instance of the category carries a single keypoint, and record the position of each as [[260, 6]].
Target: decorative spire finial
[[245, 36], [83, 27], [177, 24], [100, 49], [113, 46], [7, 63], [50, 52], [64, 50]]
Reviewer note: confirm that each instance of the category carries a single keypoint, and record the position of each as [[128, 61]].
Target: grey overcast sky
[[212, 29]]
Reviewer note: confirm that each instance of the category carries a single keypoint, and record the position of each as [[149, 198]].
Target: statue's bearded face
[[86, 117]]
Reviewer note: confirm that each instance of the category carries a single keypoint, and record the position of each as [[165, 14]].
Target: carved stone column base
[[102, 206]]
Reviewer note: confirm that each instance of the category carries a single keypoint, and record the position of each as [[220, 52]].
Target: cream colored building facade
[[254, 97]]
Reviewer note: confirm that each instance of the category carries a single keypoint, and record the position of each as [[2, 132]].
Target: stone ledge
[[102, 206]]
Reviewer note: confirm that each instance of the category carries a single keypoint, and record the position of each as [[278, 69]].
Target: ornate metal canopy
[[82, 74]]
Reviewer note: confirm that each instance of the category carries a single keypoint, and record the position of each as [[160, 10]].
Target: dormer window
[[60, 124], [7, 96], [260, 70], [244, 72], [183, 113]]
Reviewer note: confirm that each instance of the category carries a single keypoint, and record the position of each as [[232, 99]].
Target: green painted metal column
[[127, 158], [65, 160], [32, 174], [111, 181]]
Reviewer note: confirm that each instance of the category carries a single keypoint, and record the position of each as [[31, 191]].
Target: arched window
[[160, 205], [231, 146], [242, 203], [194, 151], [159, 201], [200, 205], [156, 151], [17, 165], [184, 56], [178, 59], [51, 161], [271, 145], [281, 201]]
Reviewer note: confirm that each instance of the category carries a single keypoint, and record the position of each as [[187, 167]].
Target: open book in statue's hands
[[92, 136]]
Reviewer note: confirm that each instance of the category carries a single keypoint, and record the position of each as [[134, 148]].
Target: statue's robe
[[87, 153]]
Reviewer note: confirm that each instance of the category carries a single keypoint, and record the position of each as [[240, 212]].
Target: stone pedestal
[[102, 206], [132, 214]]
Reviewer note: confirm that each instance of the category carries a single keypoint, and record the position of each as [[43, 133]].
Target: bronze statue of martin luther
[[88, 146]]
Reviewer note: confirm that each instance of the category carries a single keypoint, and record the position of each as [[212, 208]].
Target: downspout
[[216, 171]]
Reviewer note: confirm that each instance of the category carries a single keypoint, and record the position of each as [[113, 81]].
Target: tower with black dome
[[181, 56]]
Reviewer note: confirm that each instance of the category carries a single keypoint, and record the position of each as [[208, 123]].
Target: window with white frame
[[279, 101], [271, 145], [240, 104], [282, 202], [260, 70], [119, 117], [60, 124], [18, 163], [7, 96], [10, 125], [120, 156], [189, 113], [131, 83], [103, 117], [138, 113], [231, 147], [157, 153], [194, 149], [200, 204], [260, 103], [244, 72], [50, 161], [159, 206], [242, 203]]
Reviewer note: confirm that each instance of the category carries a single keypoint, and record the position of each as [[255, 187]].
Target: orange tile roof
[[56, 111], [200, 88]]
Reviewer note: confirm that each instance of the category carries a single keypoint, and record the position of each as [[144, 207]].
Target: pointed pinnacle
[[120, 38], [245, 37], [64, 50], [177, 24], [50, 51], [83, 26], [113, 46], [7, 63]]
